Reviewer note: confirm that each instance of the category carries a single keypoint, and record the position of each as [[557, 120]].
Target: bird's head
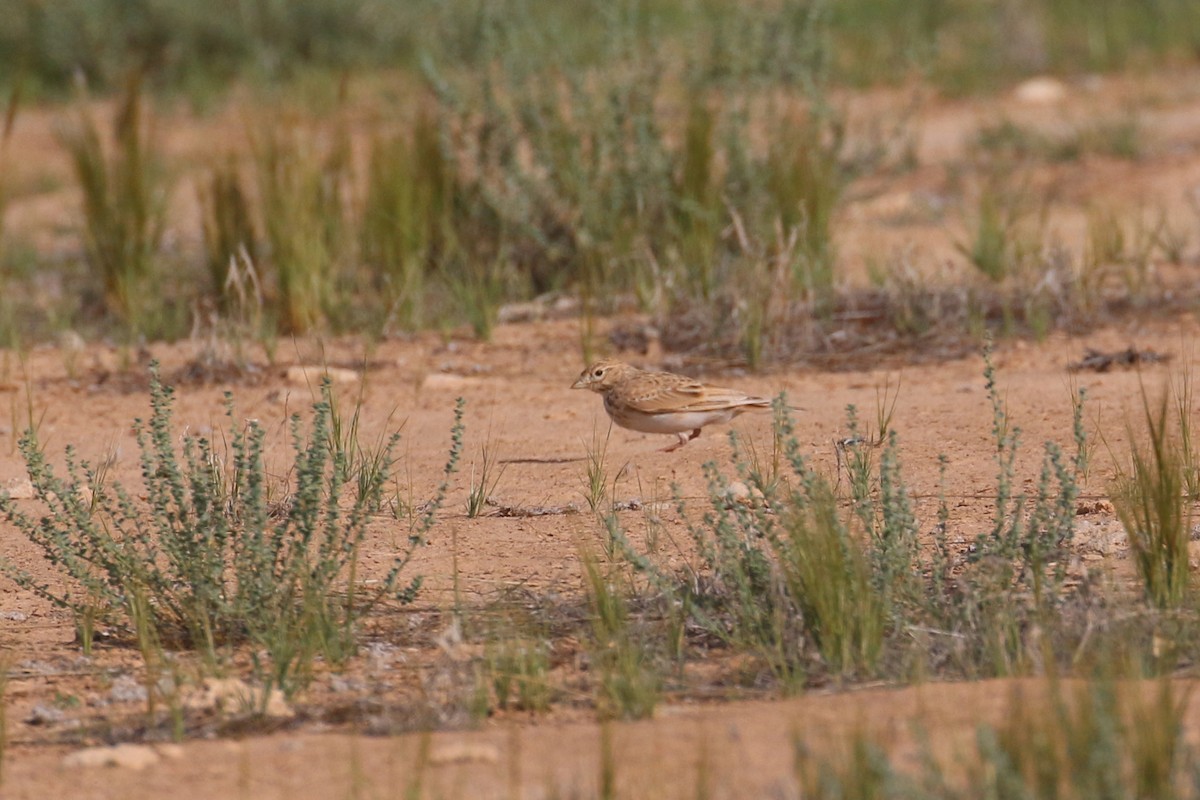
[[602, 375]]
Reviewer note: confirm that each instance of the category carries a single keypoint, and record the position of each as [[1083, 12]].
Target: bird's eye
[[598, 373]]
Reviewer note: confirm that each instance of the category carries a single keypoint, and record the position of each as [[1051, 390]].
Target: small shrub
[[1101, 740], [517, 664], [628, 682], [484, 484], [1149, 498], [124, 195], [406, 215], [992, 248], [302, 192], [229, 235], [1095, 739], [207, 560], [815, 590]]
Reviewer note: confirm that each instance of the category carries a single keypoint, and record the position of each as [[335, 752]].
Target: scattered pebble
[[739, 492], [20, 489], [126, 689], [380, 655], [43, 714], [343, 684], [1041, 91], [231, 695]]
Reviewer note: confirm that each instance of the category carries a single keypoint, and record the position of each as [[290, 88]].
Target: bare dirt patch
[[517, 398], [357, 732]]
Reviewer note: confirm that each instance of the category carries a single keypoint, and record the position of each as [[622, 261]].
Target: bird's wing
[[688, 395]]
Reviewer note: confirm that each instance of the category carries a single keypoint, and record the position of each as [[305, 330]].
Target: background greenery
[[688, 158]]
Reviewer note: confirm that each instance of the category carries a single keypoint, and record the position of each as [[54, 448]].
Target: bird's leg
[[672, 448], [683, 439]]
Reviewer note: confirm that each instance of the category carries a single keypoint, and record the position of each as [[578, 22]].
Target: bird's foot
[[682, 441]]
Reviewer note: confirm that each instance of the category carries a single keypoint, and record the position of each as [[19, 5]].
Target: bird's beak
[[579, 383]]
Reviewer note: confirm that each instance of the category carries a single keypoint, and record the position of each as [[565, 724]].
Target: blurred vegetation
[[961, 44], [685, 155]]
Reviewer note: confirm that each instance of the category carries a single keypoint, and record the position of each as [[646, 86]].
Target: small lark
[[663, 402]]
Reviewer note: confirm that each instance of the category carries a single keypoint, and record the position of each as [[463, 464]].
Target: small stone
[[71, 341], [126, 689], [20, 489], [130, 756], [234, 696], [739, 492], [1041, 91], [42, 714], [520, 312], [565, 304], [342, 684]]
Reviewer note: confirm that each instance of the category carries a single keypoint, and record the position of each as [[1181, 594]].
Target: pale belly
[[675, 422]]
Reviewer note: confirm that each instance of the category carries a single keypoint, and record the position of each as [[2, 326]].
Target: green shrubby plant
[[202, 557], [1089, 739], [786, 571], [1151, 497], [124, 196]]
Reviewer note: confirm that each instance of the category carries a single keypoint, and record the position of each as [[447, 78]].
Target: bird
[[663, 402]]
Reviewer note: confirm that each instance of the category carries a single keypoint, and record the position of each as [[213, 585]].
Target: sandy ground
[[519, 404], [518, 400]]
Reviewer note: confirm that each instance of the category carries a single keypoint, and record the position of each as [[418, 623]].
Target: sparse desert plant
[[1117, 137], [830, 577], [6, 131], [489, 477], [1068, 740], [478, 290], [221, 331], [1172, 240], [1102, 739], [302, 193], [784, 573], [1013, 580], [213, 562], [227, 226], [628, 680], [1149, 498], [780, 574], [363, 465], [1035, 536], [992, 248], [1182, 395], [406, 216], [517, 665], [124, 193], [856, 450], [862, 770], [595, 484], [806, 179], [5, 666]]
